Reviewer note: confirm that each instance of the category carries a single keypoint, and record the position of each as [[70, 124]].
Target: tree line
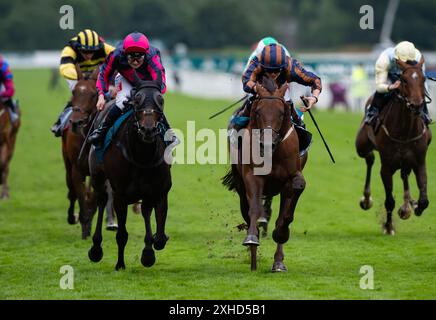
[[210, 24]]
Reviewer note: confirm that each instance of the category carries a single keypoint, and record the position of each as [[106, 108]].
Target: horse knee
[[298, 183]]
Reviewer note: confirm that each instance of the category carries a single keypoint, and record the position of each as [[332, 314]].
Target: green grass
[[331, 237]]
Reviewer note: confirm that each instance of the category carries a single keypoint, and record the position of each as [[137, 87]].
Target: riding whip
[[227, 108], [87, 135], [316, 125]]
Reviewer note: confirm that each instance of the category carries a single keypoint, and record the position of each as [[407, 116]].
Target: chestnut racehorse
[[269, 113]]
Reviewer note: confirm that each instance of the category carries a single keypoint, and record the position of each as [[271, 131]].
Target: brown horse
[[135, 166], [84, 110], [8, 136], [402, 139], [270, 116]]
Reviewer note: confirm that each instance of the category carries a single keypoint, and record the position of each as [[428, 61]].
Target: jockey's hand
[[100, 102], [113, 91], [395, 85], [310, 101]]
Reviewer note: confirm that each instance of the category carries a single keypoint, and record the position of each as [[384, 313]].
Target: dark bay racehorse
[[8, 136], [402, 139], [84, 110], [135, 166], [269, 113]]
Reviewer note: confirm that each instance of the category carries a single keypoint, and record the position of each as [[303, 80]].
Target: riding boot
[[295, 118], [379, 100], [62, 120], [243, 112], [97, 136], [425, 115], [13, 109]]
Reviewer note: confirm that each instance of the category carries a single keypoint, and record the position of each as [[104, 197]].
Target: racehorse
[[134, 164], [269, 112], [8, 136], [402, 139], [84, 110]]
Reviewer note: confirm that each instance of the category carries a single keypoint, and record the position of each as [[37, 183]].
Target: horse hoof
[[366, 203], [159, 242], [389, 231], [148, 258], [251, 240], [404, 212], [95, 254], [262, 220], [279, 267], [120, 266], [264, 233], [112, 227], [5, 197]]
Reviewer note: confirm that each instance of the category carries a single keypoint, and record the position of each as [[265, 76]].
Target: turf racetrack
[[331, 237]]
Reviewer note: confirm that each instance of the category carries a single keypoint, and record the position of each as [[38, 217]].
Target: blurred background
[[205, 43]]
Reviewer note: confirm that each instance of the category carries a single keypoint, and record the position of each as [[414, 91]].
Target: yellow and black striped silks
[[71, 54]]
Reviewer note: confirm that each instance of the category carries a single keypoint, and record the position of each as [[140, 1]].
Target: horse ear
[[79, 72], [282, 89], [136, 79], [94, 75], [421, 61], [403, 65]]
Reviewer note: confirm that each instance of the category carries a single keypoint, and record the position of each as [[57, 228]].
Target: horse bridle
[[280, 137], [403, 98], [83, 122]]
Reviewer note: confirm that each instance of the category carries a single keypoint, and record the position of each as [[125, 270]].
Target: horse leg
[[421, 181], [95, 254], [266, 216], [72, 197], [288, 202], [137, 207], [386, 175], [80, 189], [110, 216], [405, 210], [122, 234], [254, 189], [364, 148], [4, 158], [161, 209], [148, 258]]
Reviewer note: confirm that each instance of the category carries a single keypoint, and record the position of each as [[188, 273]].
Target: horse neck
[[401, 122]]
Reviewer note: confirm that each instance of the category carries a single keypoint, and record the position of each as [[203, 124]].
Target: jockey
[[274, 61], [387, 78], [134, 54], [7, 89], [88, 50]]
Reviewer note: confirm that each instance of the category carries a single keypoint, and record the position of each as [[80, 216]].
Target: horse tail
[[230, 181]]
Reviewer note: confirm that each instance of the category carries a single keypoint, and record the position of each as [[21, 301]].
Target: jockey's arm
[[107, 70], [157, 71], [67, 67], [250, 75], [297, 73]]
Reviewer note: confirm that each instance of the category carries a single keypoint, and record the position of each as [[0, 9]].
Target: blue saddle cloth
[[100, 151]]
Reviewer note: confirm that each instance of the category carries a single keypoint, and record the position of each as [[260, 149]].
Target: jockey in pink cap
[[7, 89], [134, 55]]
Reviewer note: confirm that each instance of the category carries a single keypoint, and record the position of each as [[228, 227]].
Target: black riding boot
[[59, 125], [425, 115], [13, 109], [295, 118], [378, 102], [97, 136]]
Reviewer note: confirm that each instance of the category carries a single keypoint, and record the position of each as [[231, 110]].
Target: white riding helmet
[[405, 51]]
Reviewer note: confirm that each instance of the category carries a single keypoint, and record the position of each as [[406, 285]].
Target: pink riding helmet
[[136, 42]]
